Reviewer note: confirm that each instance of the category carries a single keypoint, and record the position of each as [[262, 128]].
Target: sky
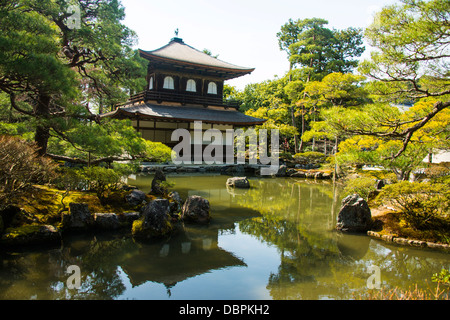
[[241, 32]]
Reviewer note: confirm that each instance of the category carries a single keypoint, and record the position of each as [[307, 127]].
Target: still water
[[273, 241]]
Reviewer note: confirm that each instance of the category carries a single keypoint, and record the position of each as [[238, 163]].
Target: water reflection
[[273, 240]]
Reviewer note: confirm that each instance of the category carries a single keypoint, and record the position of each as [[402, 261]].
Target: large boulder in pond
[[355, 215], [154, 221], [238, 182], [196, 209], [79, 217]]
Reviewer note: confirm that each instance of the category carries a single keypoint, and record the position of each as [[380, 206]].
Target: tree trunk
[[303, 129], [295, 136], [293, 113], [42, 132], [402, 175]]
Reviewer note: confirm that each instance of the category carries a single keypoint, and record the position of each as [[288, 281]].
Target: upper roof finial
[[176, 39]]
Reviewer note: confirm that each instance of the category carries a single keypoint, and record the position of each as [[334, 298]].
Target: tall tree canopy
[[58, 61], [315, 51], [319, 50], [411, 62]]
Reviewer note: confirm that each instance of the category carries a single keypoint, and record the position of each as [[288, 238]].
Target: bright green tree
[[315, 51], [411, 63], [381, 147], [335, 89]]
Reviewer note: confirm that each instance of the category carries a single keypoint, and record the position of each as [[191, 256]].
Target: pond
[[272, 241]]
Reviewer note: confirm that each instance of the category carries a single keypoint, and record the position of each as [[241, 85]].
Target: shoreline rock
[[405, 241], [196, 209], [135, 197], [78, 218], [309, 172], [107, 221], [354, 215], [154, 222], [238, 182], [31, 235]]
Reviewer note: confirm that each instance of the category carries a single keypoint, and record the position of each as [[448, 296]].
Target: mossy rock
[[155, 221], [31, 235]]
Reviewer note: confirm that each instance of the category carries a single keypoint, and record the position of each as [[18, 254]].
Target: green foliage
[[319, 50], [111, 140], [364, 186], [157, 152], [420, 203], [310, 157], [373, 135], [336, 89], [411, 39], [100, 180], [436, 173], [442, 277], [56, 75]]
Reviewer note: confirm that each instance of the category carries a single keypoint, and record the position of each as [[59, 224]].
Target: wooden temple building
[[183, 85]]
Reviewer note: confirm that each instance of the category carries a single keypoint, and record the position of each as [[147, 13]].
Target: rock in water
[[238, 182], [355, 215], [159, 177], [196, 209], [154, 221]]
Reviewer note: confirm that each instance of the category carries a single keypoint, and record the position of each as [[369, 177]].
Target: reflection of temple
[[182, 257], [194, 249]]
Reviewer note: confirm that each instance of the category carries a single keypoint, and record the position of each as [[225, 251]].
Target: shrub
[[157, 152], [21, 167], [436, 172], [310, 157], [286, 156], [100, 180], [364, 186], [420, 203], [442, 277]]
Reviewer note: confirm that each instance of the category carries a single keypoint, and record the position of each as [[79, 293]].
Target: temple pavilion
[[183, 85]]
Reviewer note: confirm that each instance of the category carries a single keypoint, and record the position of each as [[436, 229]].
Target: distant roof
[[185, 113], [439, 156], [177, 52]]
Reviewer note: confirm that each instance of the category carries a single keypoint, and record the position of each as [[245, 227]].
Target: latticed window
[[150, 84], [212, 88], [168, 83], [190, 86]]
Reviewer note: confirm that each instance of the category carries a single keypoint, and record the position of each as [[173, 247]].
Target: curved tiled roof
[[177, 51], [185, 113]]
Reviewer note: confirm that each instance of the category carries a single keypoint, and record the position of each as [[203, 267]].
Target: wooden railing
[[183, 99]]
